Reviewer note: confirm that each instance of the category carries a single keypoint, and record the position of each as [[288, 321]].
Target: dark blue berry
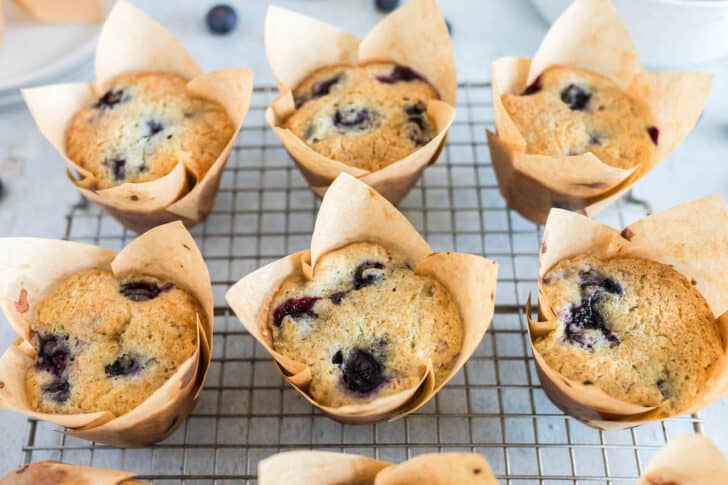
[[110, 99], [386, 6], [654, 133], [416, 115], [337, 358], [142, 290], [118, 168], [59, 390], [368, 273], [337, 297], [295, 308], [362, 372], [351, 117], [400, 73], [222, 19], [575, 97], [154, 127], [53, 353], [592, 278], [124, 365], [449, 26], [323, 87], [586, 316]]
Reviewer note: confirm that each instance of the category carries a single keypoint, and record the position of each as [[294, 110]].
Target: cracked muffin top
[[568, 111], [106, 345], [143, 126], [366, 325], [365, 116], [636, 329]]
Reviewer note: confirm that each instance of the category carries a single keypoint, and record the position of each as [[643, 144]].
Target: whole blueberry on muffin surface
[[365, 116], [142, 126], [366, 325], [106, 345]]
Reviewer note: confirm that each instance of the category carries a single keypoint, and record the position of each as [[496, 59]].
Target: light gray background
[[38, 194]]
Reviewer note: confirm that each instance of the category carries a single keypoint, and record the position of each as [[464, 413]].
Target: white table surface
[[37, 193]]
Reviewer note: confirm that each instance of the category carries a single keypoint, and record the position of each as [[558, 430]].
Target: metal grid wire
[[494, 406]]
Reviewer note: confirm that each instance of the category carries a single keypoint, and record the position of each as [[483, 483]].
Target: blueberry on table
[[222, 19], [386, 5], [449, 26]]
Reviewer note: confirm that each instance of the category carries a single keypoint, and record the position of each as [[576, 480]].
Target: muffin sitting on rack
[[106, 345], [569, 111], [366, 325], [143, 126], [366, 116], [636, 329]]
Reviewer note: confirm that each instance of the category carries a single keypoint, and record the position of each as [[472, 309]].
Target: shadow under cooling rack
[[494, 406]]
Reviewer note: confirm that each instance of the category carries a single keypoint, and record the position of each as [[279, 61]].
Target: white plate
[[33, 52]]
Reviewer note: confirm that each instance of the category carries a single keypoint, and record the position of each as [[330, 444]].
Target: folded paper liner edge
[[32, 266], [353, 212], [66, 473], [673, 237], [689, 458]]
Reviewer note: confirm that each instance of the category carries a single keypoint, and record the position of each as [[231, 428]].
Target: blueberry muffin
[[106, 345], [143, 126], [365, 324], [367, 116], [636, 329], [569, 111]]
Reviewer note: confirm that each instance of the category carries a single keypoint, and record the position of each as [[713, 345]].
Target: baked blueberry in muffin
[[367, 116], [105, 345], [366, 325], [569, 111], [143, 126], [636, 329]]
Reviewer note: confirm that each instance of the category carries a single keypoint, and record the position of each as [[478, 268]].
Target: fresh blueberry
[[449, 26], [400, 73], [59, 390], [53, 353], [154, 127], [110, 99], [654, 133], [386, 5], [351, 117], [142, 290], [575, 97], [337, 358], [337, 297], [593, 278], [124, 365], [533, 88], [362, 372], [222, 19], [295, 308], [367, 274], [323, 87]]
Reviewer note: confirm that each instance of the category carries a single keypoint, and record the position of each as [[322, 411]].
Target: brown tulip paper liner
[[352, 212], [329, 468], [690, 459], [130, 41], [693, 239], [29, 269], [57, 473], [64, 11], [414, 35], [589, 35]]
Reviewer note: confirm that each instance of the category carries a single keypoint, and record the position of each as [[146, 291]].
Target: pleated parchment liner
[[57, 473], [693, 239], [589, 35], [690, 459], [30, 267], [329, 468], [414, 35], [353, 212], [130, 41]]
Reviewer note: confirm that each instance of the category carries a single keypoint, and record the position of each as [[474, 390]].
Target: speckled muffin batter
[[105, 345], [143, 126], [366, 325], [367, 116], [637, 329], [569, 111]]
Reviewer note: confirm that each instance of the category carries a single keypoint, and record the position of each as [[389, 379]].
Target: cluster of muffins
[[370, 323]]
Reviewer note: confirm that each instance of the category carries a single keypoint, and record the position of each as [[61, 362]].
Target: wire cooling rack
[[494, 406]]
